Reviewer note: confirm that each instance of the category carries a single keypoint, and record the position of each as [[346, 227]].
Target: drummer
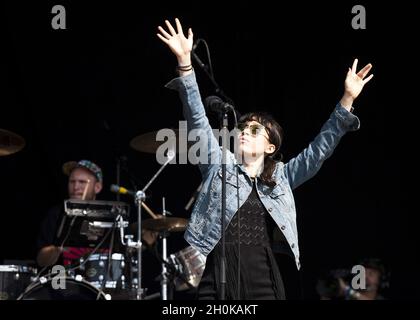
[[85, 182]]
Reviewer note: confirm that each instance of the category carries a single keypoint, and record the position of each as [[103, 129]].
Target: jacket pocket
[[281, 198], [277, 191], [230, 177]]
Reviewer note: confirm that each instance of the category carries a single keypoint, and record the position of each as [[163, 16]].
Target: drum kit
[[103, 274]]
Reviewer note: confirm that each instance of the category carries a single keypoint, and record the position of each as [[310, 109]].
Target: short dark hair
[[275, 136]]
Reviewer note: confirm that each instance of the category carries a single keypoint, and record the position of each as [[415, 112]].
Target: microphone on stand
[[121, 190], [217, 105]]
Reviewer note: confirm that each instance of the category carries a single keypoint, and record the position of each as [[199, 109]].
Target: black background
[[85, 92]]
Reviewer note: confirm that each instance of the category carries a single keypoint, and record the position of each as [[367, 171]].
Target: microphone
[[121, 190], [215, 104]]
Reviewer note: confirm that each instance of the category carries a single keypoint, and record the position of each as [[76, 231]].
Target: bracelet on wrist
[[185, 68]]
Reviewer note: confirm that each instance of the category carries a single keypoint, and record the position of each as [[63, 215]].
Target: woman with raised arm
[[264, 184]]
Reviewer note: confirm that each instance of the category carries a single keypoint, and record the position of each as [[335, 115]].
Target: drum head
[[74, 290]]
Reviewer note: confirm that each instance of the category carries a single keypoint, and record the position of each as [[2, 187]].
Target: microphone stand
[[224, 125], [140, 196], [223, 214]]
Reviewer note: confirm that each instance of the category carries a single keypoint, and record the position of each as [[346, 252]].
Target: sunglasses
[[255, 129]]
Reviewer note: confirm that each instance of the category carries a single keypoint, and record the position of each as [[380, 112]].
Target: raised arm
[[179, 45], [354, 84], [309, 161], [189, 93]]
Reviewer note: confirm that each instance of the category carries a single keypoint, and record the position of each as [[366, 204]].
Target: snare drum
[[14, 279], [190, 264], [94, 271]]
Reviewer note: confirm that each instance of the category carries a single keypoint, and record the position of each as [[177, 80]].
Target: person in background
[[85, 182]]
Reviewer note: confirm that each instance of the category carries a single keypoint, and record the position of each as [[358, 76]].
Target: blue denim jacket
[[204, 228]]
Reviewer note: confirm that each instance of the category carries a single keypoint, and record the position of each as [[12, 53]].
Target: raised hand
[[354, 83], [177, 42]]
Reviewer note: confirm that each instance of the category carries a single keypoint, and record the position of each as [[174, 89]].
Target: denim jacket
[[204, 228]]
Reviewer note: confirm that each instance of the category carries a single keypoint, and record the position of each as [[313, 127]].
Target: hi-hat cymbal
[[10, 142], [147, 142], [170, 224]]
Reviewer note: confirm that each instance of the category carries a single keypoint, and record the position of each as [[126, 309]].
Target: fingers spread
[[162, 38], [367, 79], [362, 73], [165, 34], [171, 29]]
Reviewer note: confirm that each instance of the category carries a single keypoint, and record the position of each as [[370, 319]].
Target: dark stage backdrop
[[85, 92]]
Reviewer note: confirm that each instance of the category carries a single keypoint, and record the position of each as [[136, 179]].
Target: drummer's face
[[83, 183]]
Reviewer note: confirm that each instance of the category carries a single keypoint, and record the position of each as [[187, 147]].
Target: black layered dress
[[248, 240]]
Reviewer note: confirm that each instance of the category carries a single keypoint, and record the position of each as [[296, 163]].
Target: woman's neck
[[254, 168]]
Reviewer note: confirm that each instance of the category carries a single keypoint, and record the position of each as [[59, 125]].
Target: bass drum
[[71, 290], [14, 279]]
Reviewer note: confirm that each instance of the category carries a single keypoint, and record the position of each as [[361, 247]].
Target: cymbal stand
[[139, 198]]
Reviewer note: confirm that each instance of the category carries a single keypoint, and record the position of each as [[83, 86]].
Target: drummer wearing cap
[[85, 179], [84, 183]]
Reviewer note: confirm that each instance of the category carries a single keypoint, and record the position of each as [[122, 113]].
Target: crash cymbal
[[10, 142], [147, 142], [169, 224]]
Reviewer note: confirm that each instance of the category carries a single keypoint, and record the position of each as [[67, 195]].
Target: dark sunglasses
[[255, 129]]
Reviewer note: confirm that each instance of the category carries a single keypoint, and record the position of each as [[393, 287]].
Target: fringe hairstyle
[[275, 136]]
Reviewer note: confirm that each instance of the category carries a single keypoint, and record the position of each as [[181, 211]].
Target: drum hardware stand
[[169, 272], [164, 281], [139, 198], [172, 272]]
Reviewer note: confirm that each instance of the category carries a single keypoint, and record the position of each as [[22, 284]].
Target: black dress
[[260, 278]]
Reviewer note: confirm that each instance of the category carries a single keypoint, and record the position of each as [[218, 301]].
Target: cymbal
[[169, 224], [10, 142], [147, 142]]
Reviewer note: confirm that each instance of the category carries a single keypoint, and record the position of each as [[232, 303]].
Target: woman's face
[[253, 140]]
